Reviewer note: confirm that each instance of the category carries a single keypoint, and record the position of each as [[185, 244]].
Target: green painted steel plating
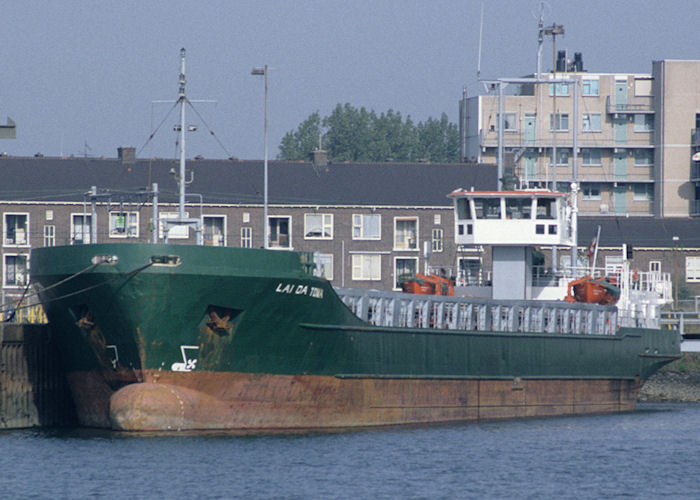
[[184, 308]]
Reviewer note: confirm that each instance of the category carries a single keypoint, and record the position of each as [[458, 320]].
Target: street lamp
[[266, 228]]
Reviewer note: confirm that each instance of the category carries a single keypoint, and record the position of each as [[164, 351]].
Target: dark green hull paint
[[140, 317]]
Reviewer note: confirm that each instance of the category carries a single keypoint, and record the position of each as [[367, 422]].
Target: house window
[[49, 235], [590, 191], [124, 224], [280, 234], [405, 233], [562, 122], [437, 219], [643, 192], [366, 226], [563, 155], [80, 229], [692, 269], [589, 87], [509, 122], [247, 237], [403, 267], [174, 232], [562, 89], [16, 230], [654, 266], [246, 217], [437, 240], [591, 157], [318, 226], [324, 265], [16, 270], [49, 215], [591, 122], [366, 267], [643, 123], [215, 230], [643, 157]]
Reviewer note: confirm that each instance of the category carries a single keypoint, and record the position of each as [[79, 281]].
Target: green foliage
[[299, 144], [358, 135]]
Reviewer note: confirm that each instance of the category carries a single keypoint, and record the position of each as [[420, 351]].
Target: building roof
[[233, 181], [656, 232]]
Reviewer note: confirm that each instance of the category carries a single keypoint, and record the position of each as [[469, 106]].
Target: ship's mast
[[182, 100]]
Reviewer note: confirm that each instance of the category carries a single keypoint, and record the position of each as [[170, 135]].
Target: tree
[[359, 135], [438, 140], [299, 144]]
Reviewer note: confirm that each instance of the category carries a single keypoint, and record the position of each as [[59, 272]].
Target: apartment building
[[627, 139]]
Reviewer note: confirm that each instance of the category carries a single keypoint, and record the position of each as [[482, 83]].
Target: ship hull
[[175, 337], [252, 402]]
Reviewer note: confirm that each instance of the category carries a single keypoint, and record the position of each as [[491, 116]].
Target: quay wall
[[33, 388]]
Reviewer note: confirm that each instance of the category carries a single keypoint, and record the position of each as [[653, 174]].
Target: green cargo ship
[[173, 337]]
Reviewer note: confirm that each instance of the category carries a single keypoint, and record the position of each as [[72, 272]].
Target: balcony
[[634, 108], [603, 139]]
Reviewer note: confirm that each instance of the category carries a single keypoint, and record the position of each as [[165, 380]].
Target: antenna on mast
[[481, 29]]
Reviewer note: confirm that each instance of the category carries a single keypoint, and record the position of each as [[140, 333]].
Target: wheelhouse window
[[318, 226], [518, 208], [406, 233], [80, 229], [215, 230], [324, 265], [124, 224], [16, 230], [280, 231], [404, 267], [487, 208], [366, 267], [366, 226], [246, 237], [463, 209], [546, 208], [16, 270]]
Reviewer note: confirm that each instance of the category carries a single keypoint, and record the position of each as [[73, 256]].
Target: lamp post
[[266, 228]]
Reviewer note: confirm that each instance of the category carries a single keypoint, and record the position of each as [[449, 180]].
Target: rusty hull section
[[238, 401]]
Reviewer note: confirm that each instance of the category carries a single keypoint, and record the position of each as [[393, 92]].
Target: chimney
[[126, 154]]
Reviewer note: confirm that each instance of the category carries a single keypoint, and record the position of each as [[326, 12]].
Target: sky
[[80, 78]]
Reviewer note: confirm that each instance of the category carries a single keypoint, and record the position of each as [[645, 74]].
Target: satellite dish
[[696, 156]]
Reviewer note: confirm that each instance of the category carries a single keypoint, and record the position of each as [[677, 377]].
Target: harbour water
[[649, 453]]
